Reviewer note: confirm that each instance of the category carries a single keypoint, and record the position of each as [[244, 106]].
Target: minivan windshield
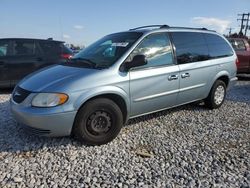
[[106, 51]]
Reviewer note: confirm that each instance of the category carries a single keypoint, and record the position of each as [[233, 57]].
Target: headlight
[[49, 99]]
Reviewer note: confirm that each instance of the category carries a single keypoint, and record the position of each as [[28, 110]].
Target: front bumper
[[43, 121]]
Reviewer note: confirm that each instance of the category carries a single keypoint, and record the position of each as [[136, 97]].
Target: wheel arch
[[115, 98], [225, 79], [117, 95], [224, 76]]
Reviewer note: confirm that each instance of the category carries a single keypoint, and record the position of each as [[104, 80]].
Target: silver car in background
[[122, 76]]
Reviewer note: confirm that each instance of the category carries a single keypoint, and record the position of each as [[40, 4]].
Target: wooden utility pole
[[242, 19], [246, 26]]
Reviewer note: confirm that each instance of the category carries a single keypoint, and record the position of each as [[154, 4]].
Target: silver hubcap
[[219, 95]]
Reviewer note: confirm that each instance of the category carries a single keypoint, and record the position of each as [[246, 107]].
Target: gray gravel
[[188, 146]]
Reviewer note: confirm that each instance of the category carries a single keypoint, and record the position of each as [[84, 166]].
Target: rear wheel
[[99, 121], [217, 95]]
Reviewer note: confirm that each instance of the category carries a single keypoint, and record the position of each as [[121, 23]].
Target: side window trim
[[175, 62], [152, 67]]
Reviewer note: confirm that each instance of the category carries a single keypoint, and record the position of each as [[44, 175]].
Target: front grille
[[35, 131], [20, 94]]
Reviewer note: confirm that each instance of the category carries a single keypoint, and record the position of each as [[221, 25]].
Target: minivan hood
[[54, 78]]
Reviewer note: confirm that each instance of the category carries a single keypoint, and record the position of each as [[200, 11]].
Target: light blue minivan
[[122, 76]]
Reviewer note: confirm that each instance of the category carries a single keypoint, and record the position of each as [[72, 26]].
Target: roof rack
[[203, 28], [148, 26], [168, 27]]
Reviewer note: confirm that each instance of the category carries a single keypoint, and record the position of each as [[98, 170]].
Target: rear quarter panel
[[225, 67]]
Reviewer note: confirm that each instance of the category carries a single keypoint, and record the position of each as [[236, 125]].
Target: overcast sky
[[82, 22]]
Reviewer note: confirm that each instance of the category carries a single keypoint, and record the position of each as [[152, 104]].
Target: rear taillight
[[237, 62], [66, 56]]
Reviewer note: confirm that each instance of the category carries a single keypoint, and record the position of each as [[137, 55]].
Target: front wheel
[[99, 121], [217, 95]]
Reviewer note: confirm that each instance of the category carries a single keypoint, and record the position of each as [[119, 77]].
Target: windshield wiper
[[83, 61]]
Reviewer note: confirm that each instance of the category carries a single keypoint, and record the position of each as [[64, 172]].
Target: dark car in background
[[242, 49], [20, 57]]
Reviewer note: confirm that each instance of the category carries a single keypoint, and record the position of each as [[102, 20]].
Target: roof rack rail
[[169, 27], [203, 28], [148, 26]]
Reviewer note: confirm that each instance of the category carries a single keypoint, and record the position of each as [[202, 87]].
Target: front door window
[[156, 48]]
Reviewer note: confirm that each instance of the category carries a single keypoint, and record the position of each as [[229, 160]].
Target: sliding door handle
[[185, 75], [173, 77]]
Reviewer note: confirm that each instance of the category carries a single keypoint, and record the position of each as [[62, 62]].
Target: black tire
[[212, 101], [98, 122]]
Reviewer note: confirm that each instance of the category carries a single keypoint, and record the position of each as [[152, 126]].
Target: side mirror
[[138, 60]]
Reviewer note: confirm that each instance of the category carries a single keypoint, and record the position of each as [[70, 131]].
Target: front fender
[[95, 92]]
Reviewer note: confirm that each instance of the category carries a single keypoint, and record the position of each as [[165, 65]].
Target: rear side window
[[217, 46], [50, 48], [22, 47], [4, 48], [238, 45], [190, 47]]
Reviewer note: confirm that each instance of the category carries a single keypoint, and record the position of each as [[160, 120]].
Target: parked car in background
[[75, 51], [242, 49], [122, 76], [20, 56]]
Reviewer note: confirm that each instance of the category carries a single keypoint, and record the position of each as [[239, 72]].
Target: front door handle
[[185, 75], [173, 77]]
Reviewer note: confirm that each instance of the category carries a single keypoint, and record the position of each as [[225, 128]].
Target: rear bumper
[[44, 124], [232, 82]]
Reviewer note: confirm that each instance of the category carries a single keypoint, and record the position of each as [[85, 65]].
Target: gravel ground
[[188, 146]]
